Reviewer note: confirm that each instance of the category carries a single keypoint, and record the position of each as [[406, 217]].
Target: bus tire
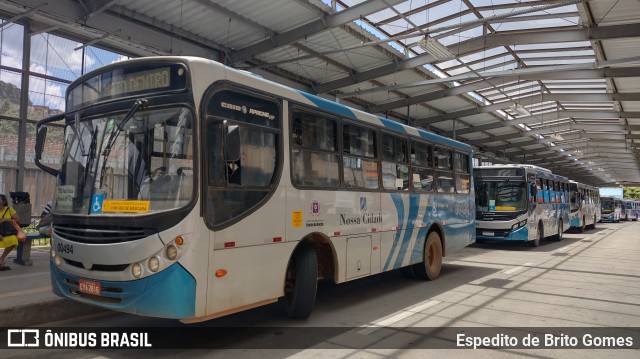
[[429, 268], [536, 242], [593, 226], [301, 283], [408, 272], [581, 228], [558, 237]]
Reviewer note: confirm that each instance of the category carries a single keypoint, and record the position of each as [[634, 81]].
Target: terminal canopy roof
[[555, 83]]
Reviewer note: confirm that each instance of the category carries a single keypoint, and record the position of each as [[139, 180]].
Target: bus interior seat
[[161, 188]]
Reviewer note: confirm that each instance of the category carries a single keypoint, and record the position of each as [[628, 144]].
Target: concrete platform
[[588, 279], [26, 297]]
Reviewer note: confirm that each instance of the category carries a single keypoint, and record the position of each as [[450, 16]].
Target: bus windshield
[[135, 162], [607, 204], [506, 195]]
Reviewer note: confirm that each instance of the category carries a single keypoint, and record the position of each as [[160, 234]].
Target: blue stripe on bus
[[414, 208], [397, 201], [443, 140], [330, 106], [396, 126], [427, 220]]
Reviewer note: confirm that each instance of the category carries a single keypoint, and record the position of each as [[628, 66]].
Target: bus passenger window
[[422, 167], [360, 165], [395, 172], [314, 153]]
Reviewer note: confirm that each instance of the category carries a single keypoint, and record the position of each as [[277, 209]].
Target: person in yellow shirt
[[8, 232]]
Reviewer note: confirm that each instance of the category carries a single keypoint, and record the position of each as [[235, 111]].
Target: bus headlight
[[56, 260], [136, 270], [53, 253], [153, 264], [171, 252], [518, 225]]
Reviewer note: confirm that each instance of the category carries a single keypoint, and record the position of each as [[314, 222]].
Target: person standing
[[8, 232]]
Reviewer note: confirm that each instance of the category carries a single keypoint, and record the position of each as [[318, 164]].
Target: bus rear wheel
[[430, 268], [582, 227], [301, 282]]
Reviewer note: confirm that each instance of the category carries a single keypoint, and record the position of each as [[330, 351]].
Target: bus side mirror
[[232, 144], [41, 137]]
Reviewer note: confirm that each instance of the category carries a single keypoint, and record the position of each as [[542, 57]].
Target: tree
[[631, 192]]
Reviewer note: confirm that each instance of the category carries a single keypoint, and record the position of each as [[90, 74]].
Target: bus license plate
[[490, 234], [90, 287]]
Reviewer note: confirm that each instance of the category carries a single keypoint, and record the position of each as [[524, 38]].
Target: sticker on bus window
[[505, 208], [125, 206], [492, 205], [296, 219]]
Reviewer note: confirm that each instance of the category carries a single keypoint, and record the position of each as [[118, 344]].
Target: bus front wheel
[[301, 283], [536, 242], [430, 268], [558, 237]]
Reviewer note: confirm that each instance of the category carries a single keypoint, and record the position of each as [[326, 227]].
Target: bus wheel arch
[[539, 237], [432, 254]]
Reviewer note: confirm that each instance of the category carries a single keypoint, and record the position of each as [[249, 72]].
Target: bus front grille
[[101, 234], [99, 267]]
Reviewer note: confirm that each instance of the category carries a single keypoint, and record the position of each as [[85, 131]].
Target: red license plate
[[90, 287]]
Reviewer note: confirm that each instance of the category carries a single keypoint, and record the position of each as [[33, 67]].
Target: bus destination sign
[[137, 81], [127, 81]]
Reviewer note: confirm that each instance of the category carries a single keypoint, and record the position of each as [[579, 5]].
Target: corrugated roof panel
[[615, 12]]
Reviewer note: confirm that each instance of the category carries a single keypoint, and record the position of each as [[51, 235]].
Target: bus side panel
[[401, 221], [254, 275], [454, 216], [346, 218], [254, 254]]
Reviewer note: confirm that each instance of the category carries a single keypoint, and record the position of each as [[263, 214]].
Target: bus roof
[[249, 79], [541, 171]]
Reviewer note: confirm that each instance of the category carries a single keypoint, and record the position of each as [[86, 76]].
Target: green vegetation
[[631, 193]]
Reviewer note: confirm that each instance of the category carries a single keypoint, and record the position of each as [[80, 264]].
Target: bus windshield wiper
[[114, 134]]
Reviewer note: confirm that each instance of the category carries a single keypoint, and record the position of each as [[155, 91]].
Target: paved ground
[[587, 281], [26, 297]]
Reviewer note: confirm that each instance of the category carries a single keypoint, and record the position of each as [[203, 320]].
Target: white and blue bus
[[631, 209], [191, 190], [585, 206], [523, 203], [611, 209]]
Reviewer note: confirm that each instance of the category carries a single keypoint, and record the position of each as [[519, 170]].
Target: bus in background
[[520, 203], [631, 209], [611, 209], [585, 206], [191, 190]]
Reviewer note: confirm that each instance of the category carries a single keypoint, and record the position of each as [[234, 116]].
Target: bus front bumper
[[166, 294], [575, 222], [521, 234]]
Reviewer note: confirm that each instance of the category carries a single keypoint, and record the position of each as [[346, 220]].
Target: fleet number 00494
[[65, 248]]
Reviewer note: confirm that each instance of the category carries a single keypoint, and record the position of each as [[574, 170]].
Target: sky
[[611, 191], [52, 56]]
